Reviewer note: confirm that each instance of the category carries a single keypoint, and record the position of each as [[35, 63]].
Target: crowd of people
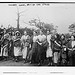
[[38, 48]]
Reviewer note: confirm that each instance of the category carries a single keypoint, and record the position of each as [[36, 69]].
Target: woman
[[5, 45], [49, 50], [17, 46], [56, 49], [33, 52], [71, 51], [63, 55], [25, 45], [10, 53], [42, 47]]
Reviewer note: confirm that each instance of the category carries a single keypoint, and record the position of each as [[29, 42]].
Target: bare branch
[[22, 11], [26, 22]]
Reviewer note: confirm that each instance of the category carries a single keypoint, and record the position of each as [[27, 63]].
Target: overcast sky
[[61, 15]]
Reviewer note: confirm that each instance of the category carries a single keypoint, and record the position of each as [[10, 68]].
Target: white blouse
[[48, 39], [41, 38], [73, 44], [24, 38], [34, 38]]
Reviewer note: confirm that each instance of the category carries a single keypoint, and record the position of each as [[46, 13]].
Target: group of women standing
[[53, 48]]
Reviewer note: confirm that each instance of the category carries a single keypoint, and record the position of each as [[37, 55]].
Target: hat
[[17, 32], [6, 36]]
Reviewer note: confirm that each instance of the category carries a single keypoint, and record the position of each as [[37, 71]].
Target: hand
[[40, 43], [64, 49], [30, 46], [73, 49]]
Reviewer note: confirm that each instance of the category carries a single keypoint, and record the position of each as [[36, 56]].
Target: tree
[[41, 25], [72, 28], [49, 26], [18, 17]]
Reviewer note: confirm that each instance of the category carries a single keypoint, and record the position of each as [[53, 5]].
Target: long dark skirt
[[33, 53], [73, 58], [70, 58], [11, 49], [41, 55], [63, 57]]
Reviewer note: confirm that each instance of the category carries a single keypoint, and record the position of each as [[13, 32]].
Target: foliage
[[41, 25], [72, 27]]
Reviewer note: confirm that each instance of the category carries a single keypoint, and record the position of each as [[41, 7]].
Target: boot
[[16, 59], [50, 61], [24, 60], [5, 58]]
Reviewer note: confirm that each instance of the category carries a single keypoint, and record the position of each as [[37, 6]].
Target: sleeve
[[28, 39], [22, 39], [44, 37], [68, 45], [49, 41]]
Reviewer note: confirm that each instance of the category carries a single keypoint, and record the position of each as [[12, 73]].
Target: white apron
[[56, 57], [17, 51], [49, 52], [4, 51], [24, 52]]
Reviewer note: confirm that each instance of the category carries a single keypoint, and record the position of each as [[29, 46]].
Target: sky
[[61, 15]]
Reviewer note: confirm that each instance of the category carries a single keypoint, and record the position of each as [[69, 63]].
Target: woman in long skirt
[[5, 46], [33, 51], [42, 47], [17, 46], [71, 51], [49, 52], [25, 45], [63, 52], [56, 49], [11, 47]]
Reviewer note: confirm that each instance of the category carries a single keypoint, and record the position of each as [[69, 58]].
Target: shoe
[[39, 64], [24, 61], [13, 59], [5, 59], [49, 64], [30, 62], [16, 60]]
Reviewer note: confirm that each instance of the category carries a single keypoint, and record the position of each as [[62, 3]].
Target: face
[[62, 37], [55, 36], [72, 37], [4, 31], [41, 32], [17, 34], [13, 33], [34, 33], [1, 26], [47, 32], [25, 33]]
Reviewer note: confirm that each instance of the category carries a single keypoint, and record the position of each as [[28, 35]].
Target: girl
[[49, 50], [5, 45], [63, 57], [42, 47], [71, 51], [33, 52], [17, 46], [25, 44], [56, 49]]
